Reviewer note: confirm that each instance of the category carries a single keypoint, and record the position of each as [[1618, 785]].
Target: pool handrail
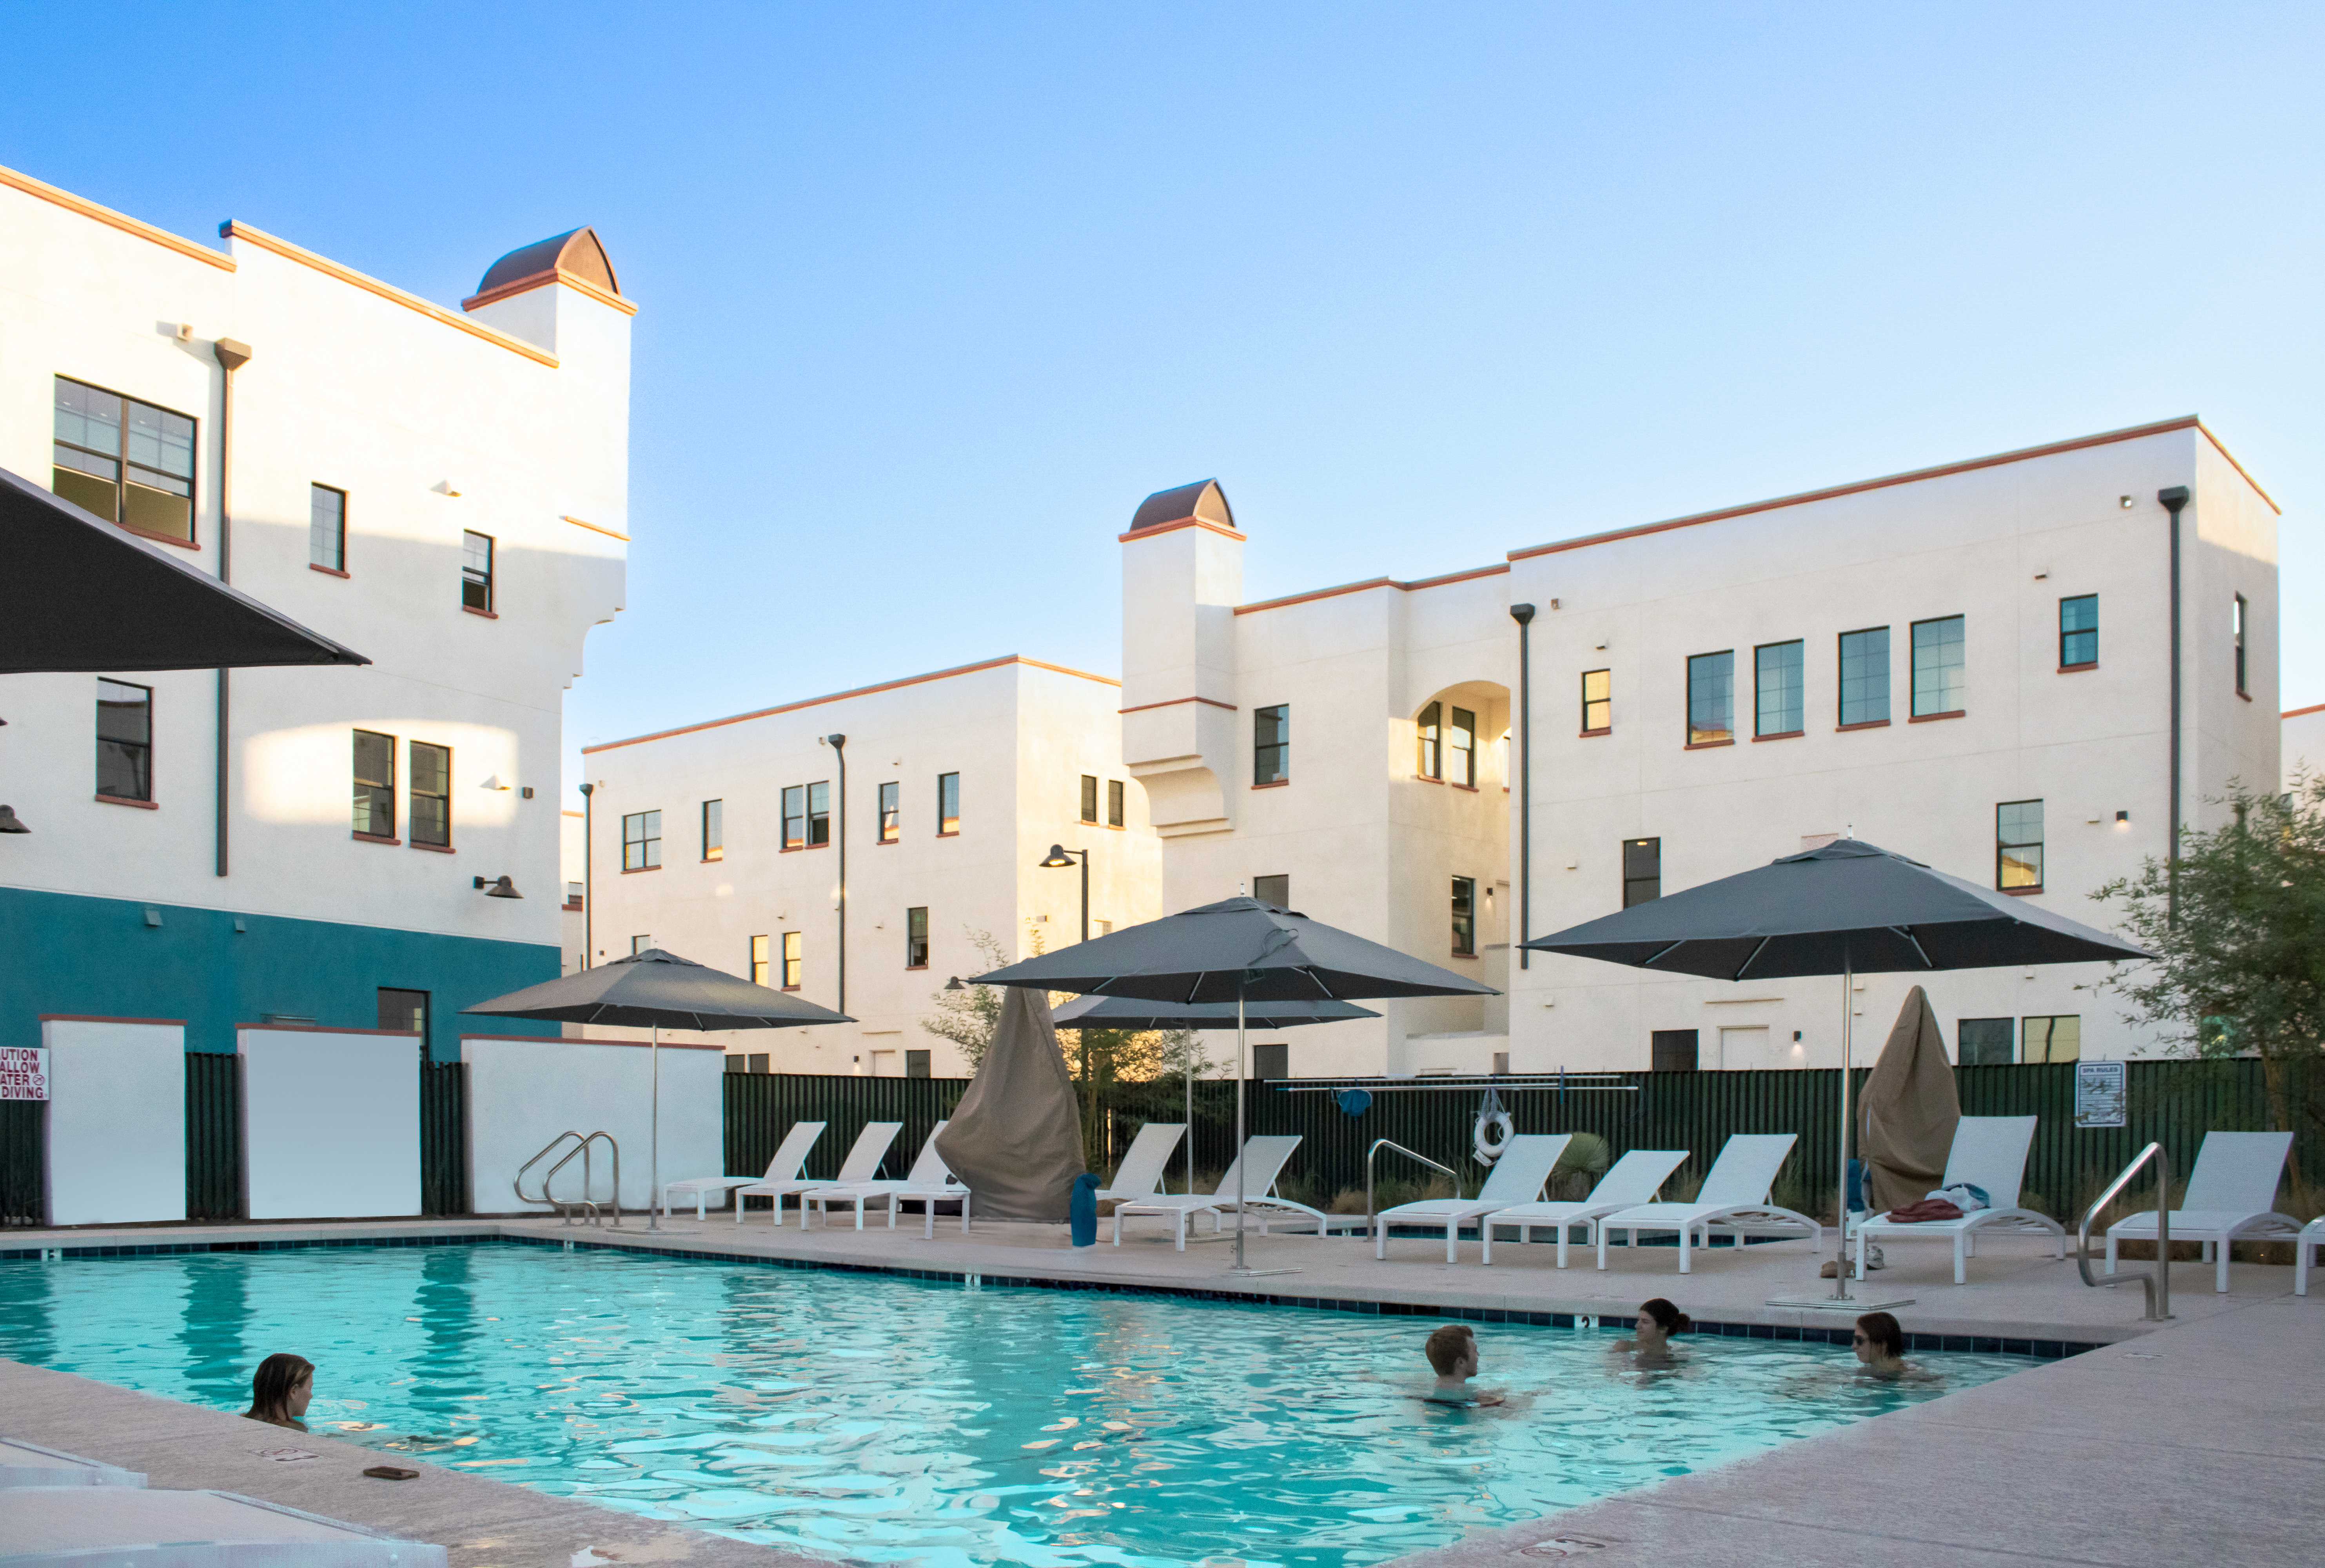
[[582, 1146], [1371, 1214], [2158, 1280]]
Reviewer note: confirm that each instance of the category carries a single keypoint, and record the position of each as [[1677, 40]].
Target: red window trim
[[1278, 784], [1418, 778], [712, 860], [573, 905], [1861, 724], [1469, 957], [1779, 735], [1708, 744], [326, 570], [107, 800], [909, 968], [2074, 669], [2018, 891], [877, 843], [954, 834], [1592, 734], [431, 848], [791, 987], [194, 543], [468, 610], [1933, 718], [1471, 788], [373, 839], [636, 870]]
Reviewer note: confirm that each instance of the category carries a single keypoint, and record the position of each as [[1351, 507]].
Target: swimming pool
[[891, 1420]]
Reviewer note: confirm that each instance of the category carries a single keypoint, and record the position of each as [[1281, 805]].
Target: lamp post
[[588, 893], [1058, 859]]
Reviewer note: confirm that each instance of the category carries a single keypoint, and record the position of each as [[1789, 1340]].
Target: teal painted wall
[[63, 953]]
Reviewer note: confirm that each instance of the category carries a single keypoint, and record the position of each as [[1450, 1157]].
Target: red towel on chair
[[1927, 1208]]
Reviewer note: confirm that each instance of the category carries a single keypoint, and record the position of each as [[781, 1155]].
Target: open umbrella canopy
[[1848, 906], [1235, 946], [658, 989], [1135, 1013], [79, 594]]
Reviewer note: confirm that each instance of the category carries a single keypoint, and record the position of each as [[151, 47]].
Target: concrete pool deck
[[2201, 1439]]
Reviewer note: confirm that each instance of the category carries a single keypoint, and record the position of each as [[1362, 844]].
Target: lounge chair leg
[[1561, 1243], [2220, 1281], [964, 1214], [1117, 1227], [1380, 1238], [1452, 1234], [1860, 1251], [1486, 1242], [1179, 1229], [1684, 1267], [1961, 1250], [1602, 1246], [2111, 1258]]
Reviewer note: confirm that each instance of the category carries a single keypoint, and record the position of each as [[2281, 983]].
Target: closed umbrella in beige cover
[[1910, 1109], [1016, 1138]]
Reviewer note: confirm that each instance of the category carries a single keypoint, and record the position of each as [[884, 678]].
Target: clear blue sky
[[932, 295]]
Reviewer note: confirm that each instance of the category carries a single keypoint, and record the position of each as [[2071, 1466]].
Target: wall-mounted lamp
[[10, 822], [2123, 819], [2123, 502], [954, 984], [446, 488], [492, 781], [498, 887]]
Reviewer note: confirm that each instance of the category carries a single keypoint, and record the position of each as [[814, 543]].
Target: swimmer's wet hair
[[1666, 1316], [1884, 1333], [1448, 1346]]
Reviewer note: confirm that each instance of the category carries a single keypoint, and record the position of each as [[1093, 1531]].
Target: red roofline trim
[[552, 276], [1370, 583], [1160, 528], [2297, 712]]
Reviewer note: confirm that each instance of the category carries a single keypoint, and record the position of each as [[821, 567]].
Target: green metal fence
[[214, 1186], [443, 1137], [760, 1107], [23, 1162]]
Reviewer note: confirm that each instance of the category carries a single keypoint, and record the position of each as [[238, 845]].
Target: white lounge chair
[[929, 1177], [1518, 1176], [2304, 1252], [790, 1155], [1733, 1201], [2231, 1197], [1989, 1152], [861, 1164], [1633, 1180], [1143, 1163], [1261, 1161]]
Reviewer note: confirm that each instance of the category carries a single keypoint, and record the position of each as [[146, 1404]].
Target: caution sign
[[24, 1072]]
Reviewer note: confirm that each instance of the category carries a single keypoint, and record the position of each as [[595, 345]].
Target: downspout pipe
[[1523, 615], [2173, 499], [588, 891], [231, 356], [839, 744]]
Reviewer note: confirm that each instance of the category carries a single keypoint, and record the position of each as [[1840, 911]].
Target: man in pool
[[1452, 1352]]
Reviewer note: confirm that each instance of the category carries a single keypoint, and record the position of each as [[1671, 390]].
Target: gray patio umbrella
[[1847, 909], [1133, 1012], [1237, 950], [78, 594], [657, 990]]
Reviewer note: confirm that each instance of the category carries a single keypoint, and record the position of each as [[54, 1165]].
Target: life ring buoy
[[1489, 1149]]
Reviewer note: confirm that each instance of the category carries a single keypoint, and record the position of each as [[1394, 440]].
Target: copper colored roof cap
[[577, 251], [1202, 499]]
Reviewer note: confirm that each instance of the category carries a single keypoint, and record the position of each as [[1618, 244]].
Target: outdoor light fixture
[[1059, 860], [498, 887], [2125, 502], [2123, 817], [954, 984], [10, 822]]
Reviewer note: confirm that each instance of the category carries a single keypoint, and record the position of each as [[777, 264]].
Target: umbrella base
[[1859, 1304], [1241, 1272]]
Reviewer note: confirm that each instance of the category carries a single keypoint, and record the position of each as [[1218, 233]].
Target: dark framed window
[[1461, 748], [916, 1065], [1984, 1043], [1672, 1050], [1598, 701], [1271, 1061], [1865, 677], [758, 960], [1940, 668], [759, 1062], [1090, 798], [404, 1010], [639, 944], [1779, 694], [1271, 744], [374, 784], [2078, 631], [1711, 698], [794, 963], [573, 895], [2238, 626], [819, 814], [1465, 916], [1428, 760], [1275, 890], [127, 461], [714, 829], [327, 528], [124, 741], [431, 794], [477, 571], [795, 817], [2058, 1037], [1642, 870], [947, 803], [1114, 811], [2018, 846], [641, 840], [916, 939], [891, 812]]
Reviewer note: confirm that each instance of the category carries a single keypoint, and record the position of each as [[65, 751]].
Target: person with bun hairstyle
[[1659, 1320], [280, 1389]]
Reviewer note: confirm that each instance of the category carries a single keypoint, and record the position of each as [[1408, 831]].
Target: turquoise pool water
[[899, 1421]]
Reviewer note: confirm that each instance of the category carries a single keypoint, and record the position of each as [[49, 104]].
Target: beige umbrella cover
[[1910, 1109], [1015, 1137]]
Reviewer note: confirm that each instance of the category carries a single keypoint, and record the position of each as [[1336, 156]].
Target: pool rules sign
[[24, 1072]]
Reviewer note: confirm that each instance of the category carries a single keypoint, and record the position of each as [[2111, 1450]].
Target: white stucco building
[[1968, 663], [444, 490], [733, 841], [2304, 743]]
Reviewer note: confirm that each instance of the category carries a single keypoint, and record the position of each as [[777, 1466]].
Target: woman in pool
[[1880, 1346], [1650, 1345], [280, 1389]]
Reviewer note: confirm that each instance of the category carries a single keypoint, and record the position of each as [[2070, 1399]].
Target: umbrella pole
[[1239, 1138], [1840, 1228], [653, 1135], [1190, 1078]]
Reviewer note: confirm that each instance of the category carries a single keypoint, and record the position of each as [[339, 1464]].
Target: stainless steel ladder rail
[[582, 1146], [2157, 1280], [1371, 1214]]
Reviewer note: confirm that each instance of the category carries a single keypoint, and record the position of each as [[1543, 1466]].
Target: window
[[1642, 870], [1271, 744], [1598, 701], [1114, 814], [892, 814], [431, 794], [639, 944], [1465, 916], [1427, 762], [573, 896], [476, 572], [2238, 626], [795, 817], [737, 1064], [374, 784], [1089, 799], [758, 1062], [2058, 1038], [1712, 699], [1102, 927], [793, 961], [327, 528], [641, 840], [2018, 846], [1275, 890], [404, 1010], [1672, 1050], [947, 803], [1865, 677], [1777, 687], [819, 814], [124, 741], [916, 939], [714, 829], [1984, 1042], [1941, 680], [127, 461], [2078, 632], [1461, 748], [916, 1065], [1271, 1061], [758, 960]]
